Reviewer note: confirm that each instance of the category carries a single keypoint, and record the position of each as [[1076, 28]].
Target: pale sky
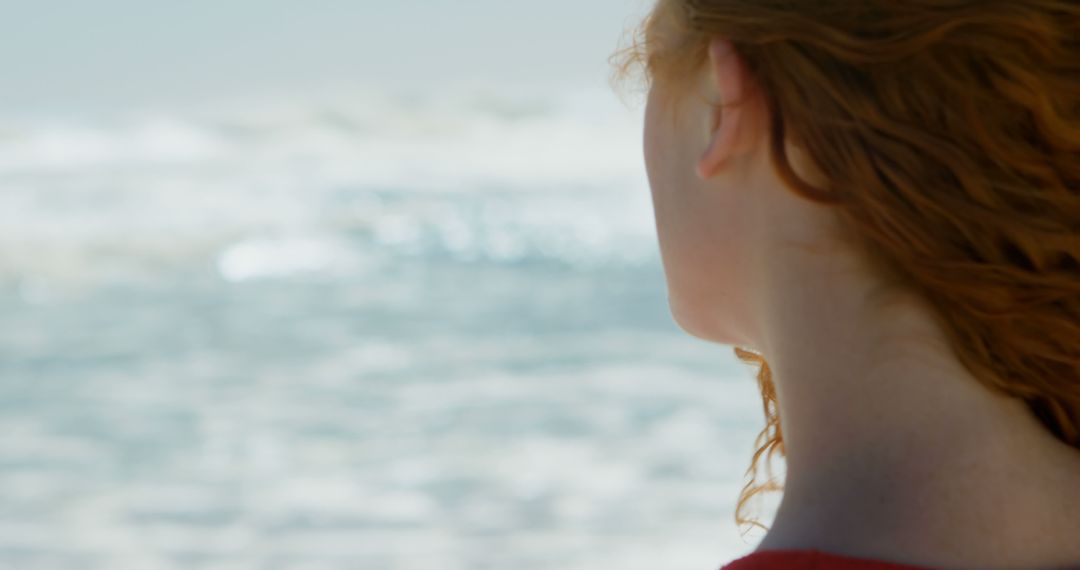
[[71, 54]]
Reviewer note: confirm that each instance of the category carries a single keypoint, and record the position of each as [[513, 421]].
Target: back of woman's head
[[948, 132]]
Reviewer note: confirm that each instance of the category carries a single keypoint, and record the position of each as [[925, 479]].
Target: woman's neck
[[893, 448]]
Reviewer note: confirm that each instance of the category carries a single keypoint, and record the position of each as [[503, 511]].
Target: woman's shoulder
[[810, 560]]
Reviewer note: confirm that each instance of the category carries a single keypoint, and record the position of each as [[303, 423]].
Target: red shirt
[[810, 560]]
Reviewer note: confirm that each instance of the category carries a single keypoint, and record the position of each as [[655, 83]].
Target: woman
[[881, 198]]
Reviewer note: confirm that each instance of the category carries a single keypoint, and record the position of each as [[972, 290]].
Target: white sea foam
[[284, 256], [472, 177]]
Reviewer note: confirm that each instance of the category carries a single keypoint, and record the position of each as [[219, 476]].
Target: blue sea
[[381, 331]]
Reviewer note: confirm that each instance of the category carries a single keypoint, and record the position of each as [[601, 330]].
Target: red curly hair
[[949, 134]]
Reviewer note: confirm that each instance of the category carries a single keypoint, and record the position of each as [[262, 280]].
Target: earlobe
[[728, 75]]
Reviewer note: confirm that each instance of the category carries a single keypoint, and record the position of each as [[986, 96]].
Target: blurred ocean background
[[347, 285]]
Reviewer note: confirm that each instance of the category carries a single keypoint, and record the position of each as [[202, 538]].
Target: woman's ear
[[727, 73]]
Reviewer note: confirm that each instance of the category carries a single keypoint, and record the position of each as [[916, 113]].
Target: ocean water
[[381, 331]]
